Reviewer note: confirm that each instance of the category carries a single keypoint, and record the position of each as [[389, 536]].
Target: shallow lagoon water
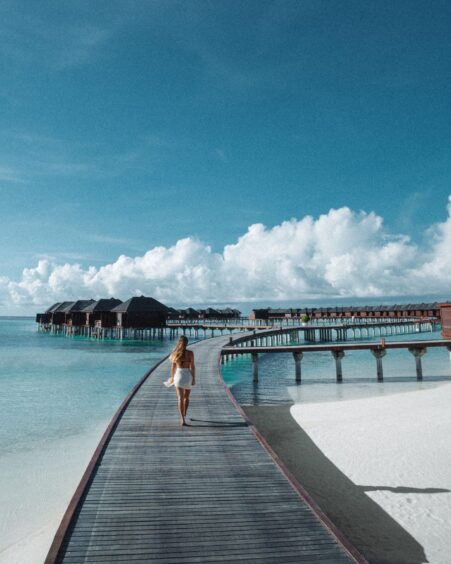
[[57, 396], [277, 382]]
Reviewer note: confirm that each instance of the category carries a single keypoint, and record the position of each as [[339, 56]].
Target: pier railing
[[296, 321], [378, 350]]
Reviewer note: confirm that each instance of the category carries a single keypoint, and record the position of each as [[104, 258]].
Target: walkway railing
[[296, 321], [378, 350]]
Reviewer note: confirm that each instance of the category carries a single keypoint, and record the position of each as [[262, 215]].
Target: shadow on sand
[[370, 529]]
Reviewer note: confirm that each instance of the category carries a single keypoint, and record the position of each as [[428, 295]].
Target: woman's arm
[[173, 369], [193, 369]]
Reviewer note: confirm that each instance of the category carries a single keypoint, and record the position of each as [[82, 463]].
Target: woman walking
[[183, 375]]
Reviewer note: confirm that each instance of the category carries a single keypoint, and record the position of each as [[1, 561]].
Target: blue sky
[[128, 125]]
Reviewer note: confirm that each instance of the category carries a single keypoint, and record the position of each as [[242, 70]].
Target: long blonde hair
[[179, 350]]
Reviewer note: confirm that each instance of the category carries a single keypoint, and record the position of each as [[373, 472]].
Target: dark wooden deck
[[209, 492]]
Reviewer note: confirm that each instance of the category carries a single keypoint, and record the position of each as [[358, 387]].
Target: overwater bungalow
[[100, 314], [211, 313], [46, 317], [191, 313], [229, 313], [188, 313], [59, 313], [174, 313], [140, 312], [75, 314]]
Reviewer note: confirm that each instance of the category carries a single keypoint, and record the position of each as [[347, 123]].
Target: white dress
[[183, 378]]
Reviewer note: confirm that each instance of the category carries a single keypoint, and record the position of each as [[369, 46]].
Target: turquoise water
[[277, 380], [52, 386], [57, 395]]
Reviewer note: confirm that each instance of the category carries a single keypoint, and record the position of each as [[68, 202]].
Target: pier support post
[[418, 352], [379, 355], [255, 367], [297, 363], [338, 355]]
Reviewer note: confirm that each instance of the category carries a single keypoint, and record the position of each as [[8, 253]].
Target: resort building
[[100, 314], [74, 313], [138, 312], [392, 311], [209, 313], [445, 314]]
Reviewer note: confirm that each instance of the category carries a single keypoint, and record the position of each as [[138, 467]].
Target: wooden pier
[[255, 345], [209, 492], [145, 318]]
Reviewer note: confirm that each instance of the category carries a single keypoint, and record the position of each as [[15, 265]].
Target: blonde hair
[[179, 350]]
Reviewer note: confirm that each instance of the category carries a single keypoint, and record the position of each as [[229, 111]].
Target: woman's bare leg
[[186, 402], [180, 404]]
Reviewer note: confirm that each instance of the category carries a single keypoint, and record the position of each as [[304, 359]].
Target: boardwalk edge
[[342, 540], [61, 532]]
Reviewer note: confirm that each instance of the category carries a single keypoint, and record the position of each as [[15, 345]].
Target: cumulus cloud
[[340, 253]]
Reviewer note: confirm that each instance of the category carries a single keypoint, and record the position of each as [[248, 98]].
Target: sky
[[223, 150]]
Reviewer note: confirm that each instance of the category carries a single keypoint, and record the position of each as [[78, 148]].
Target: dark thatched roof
[[142, 305], [191, 311], [229, 311], [53, 308], [63, 306], [79, 305], [211, 311], [173, 310], [102, 305]]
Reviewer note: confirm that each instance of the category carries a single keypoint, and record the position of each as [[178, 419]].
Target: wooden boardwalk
[[209, 492]]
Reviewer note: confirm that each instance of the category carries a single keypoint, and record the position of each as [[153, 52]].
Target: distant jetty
[[145, 317]]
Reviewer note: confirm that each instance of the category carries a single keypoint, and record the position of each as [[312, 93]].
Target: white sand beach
[[396, 448], [44, 478], [378, 466]]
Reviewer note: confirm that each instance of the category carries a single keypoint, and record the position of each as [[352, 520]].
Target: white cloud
[[341, 253]]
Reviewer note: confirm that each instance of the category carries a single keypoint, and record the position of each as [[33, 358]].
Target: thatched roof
[[63, 306], [211, 311], [53, 308], [102, 305], [141, 304], [79, 305], [230, 311], [173, 310], [191, 311]]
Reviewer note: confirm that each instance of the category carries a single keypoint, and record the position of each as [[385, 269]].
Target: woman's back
[[185, 361]]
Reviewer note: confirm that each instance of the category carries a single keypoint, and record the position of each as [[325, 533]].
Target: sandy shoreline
[[26, 534], [383, 485]]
